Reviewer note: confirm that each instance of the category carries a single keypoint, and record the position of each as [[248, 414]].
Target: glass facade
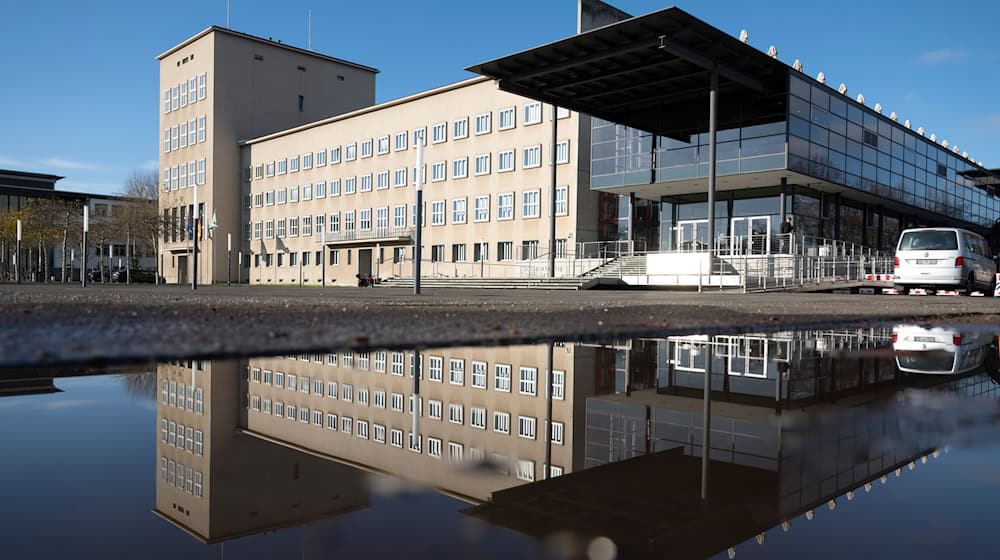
[[836, 139]]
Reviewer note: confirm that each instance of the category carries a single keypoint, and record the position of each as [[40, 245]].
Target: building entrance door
[[364, 262], [751, 236], [182, 270], [692, 235]]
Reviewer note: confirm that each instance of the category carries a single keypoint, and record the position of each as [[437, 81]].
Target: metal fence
[[778, 271]]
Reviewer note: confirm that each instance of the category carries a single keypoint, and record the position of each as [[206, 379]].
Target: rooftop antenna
[[310, 12]]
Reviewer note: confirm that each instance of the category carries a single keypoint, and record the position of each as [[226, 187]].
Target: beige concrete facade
[[244, 87], [370, 169], [372, 393], [217, 484]]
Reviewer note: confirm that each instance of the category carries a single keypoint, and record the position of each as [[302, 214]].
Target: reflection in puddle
[[602, 458]]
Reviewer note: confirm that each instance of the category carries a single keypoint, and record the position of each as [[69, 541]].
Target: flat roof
[[30, 175], [264, 41], [649, 72], [370, 109]]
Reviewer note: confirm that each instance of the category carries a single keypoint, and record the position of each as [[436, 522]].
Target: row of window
[[185, 398], [434, 371], [185, 134], [185, 93], [404, 140], [182, 437], [362, 220], [184, 175], [184, 478], [398, 177], [377, 433]]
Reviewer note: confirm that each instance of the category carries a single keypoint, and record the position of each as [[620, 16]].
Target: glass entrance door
[[751, 235], [692, 235]]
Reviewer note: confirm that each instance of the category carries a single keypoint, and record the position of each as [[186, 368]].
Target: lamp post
[[229, 259], [83, 254], [197, 230], [417, 249], [17, 255]]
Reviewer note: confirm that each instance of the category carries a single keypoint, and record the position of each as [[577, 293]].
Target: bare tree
[[59, 222], [141, 219]]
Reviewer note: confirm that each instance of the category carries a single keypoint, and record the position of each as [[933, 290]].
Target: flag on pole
[[213, 225]]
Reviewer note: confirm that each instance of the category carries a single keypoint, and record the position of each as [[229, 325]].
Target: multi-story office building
[[318, 187], [220, 87]]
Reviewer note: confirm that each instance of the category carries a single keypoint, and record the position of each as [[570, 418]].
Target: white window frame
[[335, 155], [562, 200], [439, 133], [502, 377], [482, 165], [382, 145], [505, 206], [401, 141], [532, 157], [507, 118], [460, 168], [505, 161], [527, 427], [439, 171], [501, 422], [532, 113], [484, 123], [531, 208], [481, 209], [460, 128]]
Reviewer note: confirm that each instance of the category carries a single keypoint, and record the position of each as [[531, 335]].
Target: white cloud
[[943, 56], [151, 165], [13, 162], [62, 163]]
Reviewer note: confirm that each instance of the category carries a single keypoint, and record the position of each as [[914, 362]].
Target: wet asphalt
[[108, 324]]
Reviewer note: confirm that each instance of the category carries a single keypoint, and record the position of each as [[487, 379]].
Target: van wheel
[[970, 285]]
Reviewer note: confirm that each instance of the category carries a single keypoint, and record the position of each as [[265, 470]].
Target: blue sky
[[79, 89]]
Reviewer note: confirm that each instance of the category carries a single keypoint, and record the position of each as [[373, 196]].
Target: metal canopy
[[649, 72]]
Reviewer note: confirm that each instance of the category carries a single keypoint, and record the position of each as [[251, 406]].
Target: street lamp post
[[229, 259], [83, 254], [197, 230], [17, 255], [417, 249]]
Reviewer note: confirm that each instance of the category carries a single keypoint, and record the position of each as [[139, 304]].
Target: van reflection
[[939, 350]]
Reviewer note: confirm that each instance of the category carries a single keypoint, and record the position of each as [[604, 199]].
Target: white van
[[938, 350], [944, 258]]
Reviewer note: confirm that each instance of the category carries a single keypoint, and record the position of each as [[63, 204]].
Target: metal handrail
[[359, 235]]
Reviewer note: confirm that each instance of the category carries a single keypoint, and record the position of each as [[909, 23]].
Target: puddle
[[824, 443]]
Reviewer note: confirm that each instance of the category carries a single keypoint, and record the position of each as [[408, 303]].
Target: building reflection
[[216, 484], [797, 422]]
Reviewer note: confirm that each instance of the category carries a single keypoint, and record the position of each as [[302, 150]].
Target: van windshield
[[928, 241]]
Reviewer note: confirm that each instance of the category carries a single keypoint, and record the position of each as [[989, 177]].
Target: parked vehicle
[[938, 350], [944, 258], [96, 276], [138, 276]]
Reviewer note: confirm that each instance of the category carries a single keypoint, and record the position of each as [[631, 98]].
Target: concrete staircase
[[494, 283], [629, 265]]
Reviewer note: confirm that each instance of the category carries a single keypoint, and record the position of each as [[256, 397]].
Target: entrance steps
[[497, 283]]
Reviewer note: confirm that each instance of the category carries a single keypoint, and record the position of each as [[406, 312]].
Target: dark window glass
[[928, 241], [838, 142], [838, 107], [798, 146], [800, 87], [884, 160], [871, 121], [855, 114], [854, 149], [870, 138], [868, 171], [896, 166], [820, 116], [838, 161], [884, 128], [818, 154], [854, 166], [798, 126], [854, 132], [942, 170], [799, 107], [819, 135], [821, 97], [761, 146], [870, 155], [764, 129], [837, 124]]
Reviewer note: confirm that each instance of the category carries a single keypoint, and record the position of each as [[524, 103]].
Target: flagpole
[[194, 260]]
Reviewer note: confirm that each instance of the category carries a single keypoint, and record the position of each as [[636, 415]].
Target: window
[[501, 422], [290, 412], [460, 168], [456, 371], [434, 409], [382, 180], [460, 128], [350, 185], [506, 118], [456, 414], [366, 148], [481, 209], [293, 194], [350, 152], [528, 380], [401, 141], [438, 170], [482, 164], [307, 161], [396, 438], [346, 424], [562, 152], [175, 98], [281, 195], [532, 113], [362, 429], [526, 470], [382, 219], [331, 389], [281, 228], [399, 177], [366, 183], [562, 200], [293, 164], [192, 132], [529, 249], [558, 384], [439, 133], [202, 86], [335, 155], [399, 216], [319, 190], [505, 161], [526, 427], [335, 224], [415, 441], [174, 139], [346, 392], [304, 415], [335, 187], [437, 213], [379, 398], [505, 206], [397, 363], [166, 101], [505, 251], [294, 226], [531, 207], [458, 206], [435, 368], [282, 166], [331, 421], [501, 377], [382, 145], [348, 227], [201, 128], [557, 433], [419, 136], [397, 402], [321, 158], [870, 138], [434, 447], [378, 433], [257, 227], [532, 157], [269, 229], [483, 123], [477, 418], [455, 452], [562, 113]]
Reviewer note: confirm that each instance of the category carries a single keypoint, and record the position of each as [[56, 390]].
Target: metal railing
[[367, 235], [609, 249], [782, 271]]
